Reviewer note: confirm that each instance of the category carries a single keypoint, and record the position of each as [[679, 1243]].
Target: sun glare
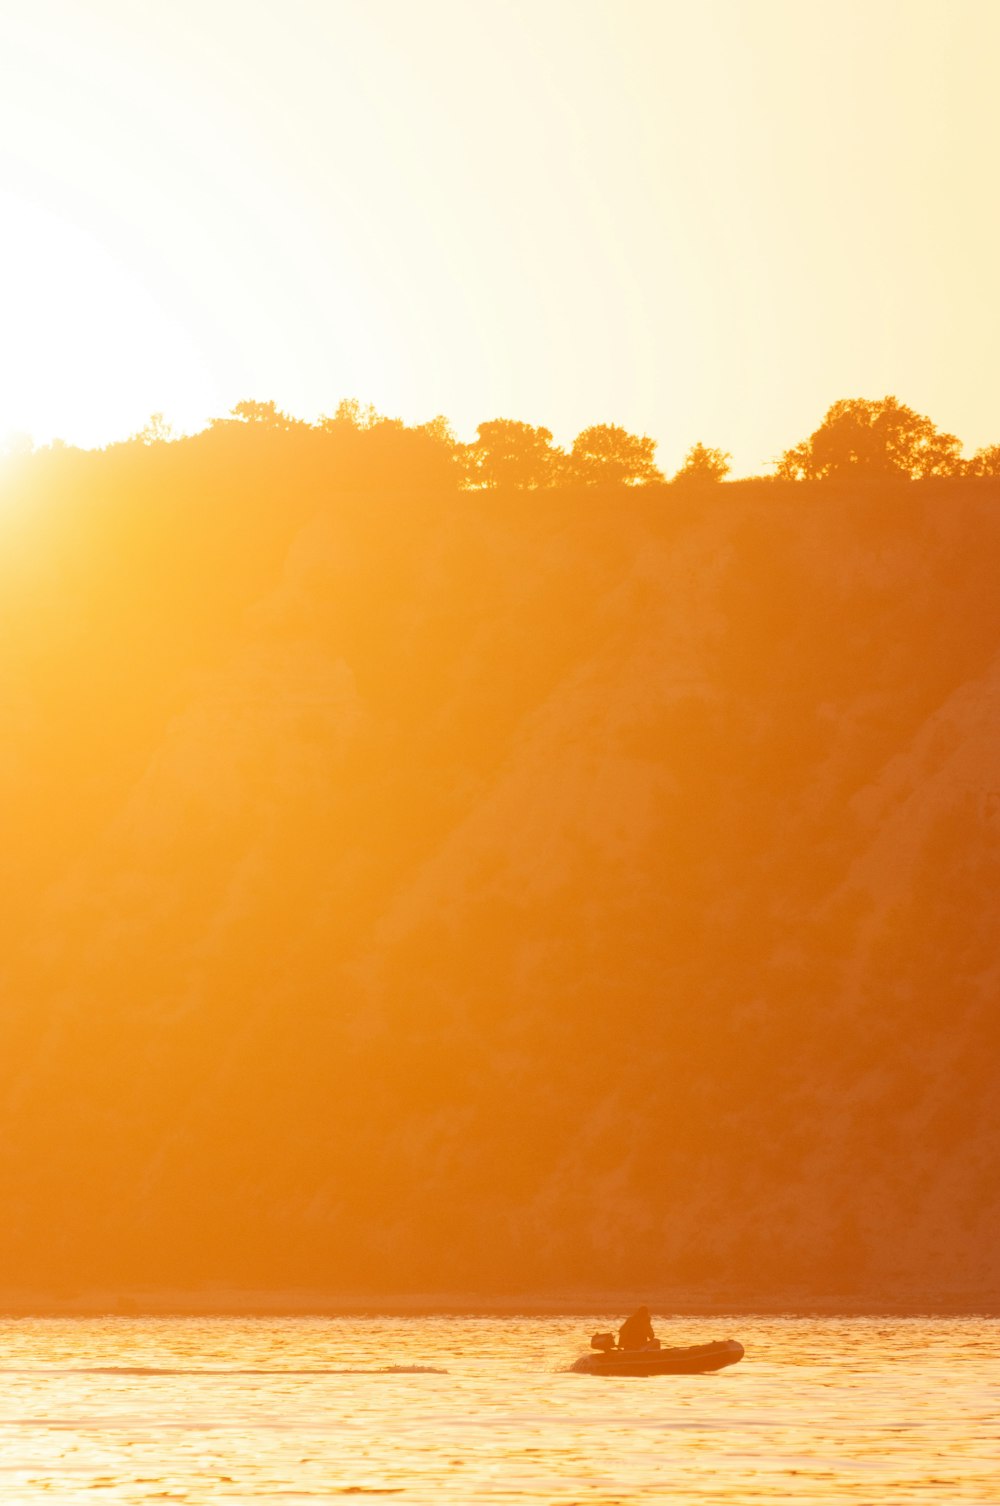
[[87, 348]]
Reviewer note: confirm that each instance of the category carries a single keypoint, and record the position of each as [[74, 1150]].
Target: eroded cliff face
[[500, 892]]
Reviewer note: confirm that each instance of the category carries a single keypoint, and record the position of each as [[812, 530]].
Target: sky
[[705, 221]]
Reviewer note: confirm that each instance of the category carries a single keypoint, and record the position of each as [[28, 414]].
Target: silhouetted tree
[[703, 464], [263, 415], [507, 452], [427, 456], [606, 452], [350, 414], [864, 437], [440, 451], [985, 462], [156, 430], [369, 450], [440, 429]]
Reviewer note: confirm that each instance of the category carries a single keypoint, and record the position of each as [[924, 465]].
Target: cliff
[[421, 890]]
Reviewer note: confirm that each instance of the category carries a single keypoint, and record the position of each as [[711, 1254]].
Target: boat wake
[[154, 1370]]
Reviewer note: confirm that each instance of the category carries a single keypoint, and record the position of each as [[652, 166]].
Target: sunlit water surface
[[205, 1410]]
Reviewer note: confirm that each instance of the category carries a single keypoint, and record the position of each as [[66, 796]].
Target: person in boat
[[637, 1332]]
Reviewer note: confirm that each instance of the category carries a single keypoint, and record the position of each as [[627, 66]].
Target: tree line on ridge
[[858, 439]]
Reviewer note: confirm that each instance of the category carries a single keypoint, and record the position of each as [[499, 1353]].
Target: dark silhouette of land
[[414, 884]]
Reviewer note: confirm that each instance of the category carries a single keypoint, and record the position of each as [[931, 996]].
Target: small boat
[[695, 1359]]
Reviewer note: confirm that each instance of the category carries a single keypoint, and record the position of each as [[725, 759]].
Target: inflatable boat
[[696, 1359]]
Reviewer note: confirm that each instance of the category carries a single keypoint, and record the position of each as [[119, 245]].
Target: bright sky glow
[[705, 221]]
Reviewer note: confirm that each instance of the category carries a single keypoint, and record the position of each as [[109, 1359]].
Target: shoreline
[[228, 1302]]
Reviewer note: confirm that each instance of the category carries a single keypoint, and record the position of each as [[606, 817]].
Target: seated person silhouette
[[636, 1332]]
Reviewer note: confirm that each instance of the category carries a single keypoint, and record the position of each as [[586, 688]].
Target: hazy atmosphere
[[704, 222], [500, 691]]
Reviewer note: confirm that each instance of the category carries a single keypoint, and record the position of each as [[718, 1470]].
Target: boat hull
[[696, 1359]]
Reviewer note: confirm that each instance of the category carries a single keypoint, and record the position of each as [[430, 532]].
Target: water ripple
[[825, 1412]]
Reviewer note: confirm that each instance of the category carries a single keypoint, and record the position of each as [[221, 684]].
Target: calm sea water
[[824, 1411]]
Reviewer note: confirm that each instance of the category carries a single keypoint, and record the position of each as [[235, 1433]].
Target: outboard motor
[[603, 1341]]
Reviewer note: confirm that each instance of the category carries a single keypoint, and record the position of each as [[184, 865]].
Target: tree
[[376, 451], [507, 452], [702, 464], [605, 452], [440, 430], [155, 431], [985, 462], [261, 415], [875, 439], [350, 414]]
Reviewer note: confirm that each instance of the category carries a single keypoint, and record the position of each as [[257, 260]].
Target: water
[[824, 1412]]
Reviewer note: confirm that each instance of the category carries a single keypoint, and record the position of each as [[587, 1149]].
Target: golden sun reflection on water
[[824, 1412]]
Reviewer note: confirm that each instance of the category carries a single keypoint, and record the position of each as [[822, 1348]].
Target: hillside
[[426, 891]]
